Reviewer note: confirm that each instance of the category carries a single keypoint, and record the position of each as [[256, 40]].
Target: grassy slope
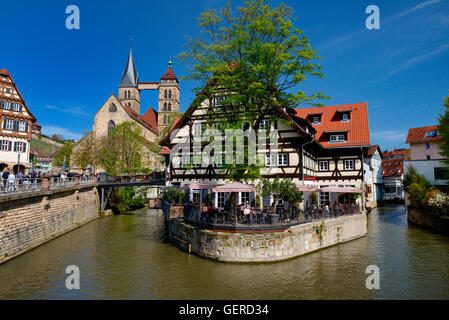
[[43, 147]]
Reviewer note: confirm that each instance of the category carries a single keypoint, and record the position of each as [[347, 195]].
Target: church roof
[[169, 74], [129, 77], [150, 116]]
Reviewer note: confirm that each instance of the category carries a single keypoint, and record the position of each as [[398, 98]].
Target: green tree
[[121, 152], [66, 150], [252, 59], [86, 151], [282, 190], [443, 130], [416, 185]]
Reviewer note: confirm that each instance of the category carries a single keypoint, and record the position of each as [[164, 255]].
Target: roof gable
[[423, 134], [356, 129]]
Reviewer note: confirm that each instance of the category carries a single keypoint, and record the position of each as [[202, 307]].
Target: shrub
[[173, 195]]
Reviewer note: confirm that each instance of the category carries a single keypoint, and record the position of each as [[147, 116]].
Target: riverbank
[[31, 219], [267, 247], [428, 220], [129, 257]]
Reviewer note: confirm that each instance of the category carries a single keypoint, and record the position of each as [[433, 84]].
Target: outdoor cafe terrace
[[246, 217]]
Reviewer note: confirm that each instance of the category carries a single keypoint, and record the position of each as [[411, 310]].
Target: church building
[[126, 106]]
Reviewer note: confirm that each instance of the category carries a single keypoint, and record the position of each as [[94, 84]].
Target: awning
[[200, 186], [341, 190], [307, 188], [235, 187]]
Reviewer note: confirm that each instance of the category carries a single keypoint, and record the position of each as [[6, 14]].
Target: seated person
[[247, 212]]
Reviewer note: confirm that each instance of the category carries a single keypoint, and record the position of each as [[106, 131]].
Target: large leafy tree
[[121, 152], [86, 152], [443, 129], [65, 151], [255, 58]]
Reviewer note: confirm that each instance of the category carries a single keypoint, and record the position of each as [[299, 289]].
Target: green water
[[128, 257]]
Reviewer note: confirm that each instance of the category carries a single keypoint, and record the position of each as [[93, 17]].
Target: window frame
[[320, 162], [280, 156], [346, 161]]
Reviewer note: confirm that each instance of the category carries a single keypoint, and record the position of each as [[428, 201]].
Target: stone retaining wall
[[428, 220], [265, 247], [38, 217]]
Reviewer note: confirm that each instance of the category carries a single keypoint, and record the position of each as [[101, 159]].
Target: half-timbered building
[[322, 146], [15, 129]]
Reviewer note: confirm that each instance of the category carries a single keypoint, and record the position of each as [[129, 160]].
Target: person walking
[[11, 182], [5, 175], [20, 176]]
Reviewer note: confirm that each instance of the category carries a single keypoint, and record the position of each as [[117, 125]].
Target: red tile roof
[[150, 116], [392, 167], [169, 74], [357, 128], [395, 154], [417, 135], [135, 116], [372, 150], [4, 71]]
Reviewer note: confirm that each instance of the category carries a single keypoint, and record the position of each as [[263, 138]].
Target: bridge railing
[[26, 185]]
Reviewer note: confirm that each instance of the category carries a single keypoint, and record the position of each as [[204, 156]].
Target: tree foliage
[[443, 130], [252, 58], [86, 152], [417, 186], [282, 190], [121, 151], [66, 150]]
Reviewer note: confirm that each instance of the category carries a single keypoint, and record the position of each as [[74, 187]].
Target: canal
[[128, 257]]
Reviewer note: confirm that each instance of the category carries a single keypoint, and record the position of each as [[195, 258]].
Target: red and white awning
[[235, 187], [341, 190], [307, 188], [200, 186]]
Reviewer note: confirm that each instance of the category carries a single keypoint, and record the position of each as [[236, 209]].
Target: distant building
[[425, 154], [15, 130], [126, 106], [373, 178], [36, 128], [393, 173], [41, 162]]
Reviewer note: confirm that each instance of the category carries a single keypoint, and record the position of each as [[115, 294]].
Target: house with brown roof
[[16, 122], [425, 154], [393, 173], [322, 146]]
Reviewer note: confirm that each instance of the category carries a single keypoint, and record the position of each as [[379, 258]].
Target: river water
[[128, 257]]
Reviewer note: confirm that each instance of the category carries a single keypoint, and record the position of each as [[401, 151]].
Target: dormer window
[[316, 120], [430, 134], [345, 117], [335, 138]]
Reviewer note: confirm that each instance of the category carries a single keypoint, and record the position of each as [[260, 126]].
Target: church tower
[[168, 97], [128, 90]]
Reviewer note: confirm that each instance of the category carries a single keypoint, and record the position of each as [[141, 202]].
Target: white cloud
[[49, 130], [390, 135], [79, 111], [409, 63], [416, 8]]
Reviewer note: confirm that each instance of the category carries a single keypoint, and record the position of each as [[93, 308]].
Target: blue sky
[[400, 70]]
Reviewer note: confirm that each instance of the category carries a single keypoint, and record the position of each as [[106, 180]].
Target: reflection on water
[[128, 257]]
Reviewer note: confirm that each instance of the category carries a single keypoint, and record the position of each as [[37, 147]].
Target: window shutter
[[9, 145], [1, 104], [24, 147], [15, 126], [26, 126], [4, 124], [15, 146]]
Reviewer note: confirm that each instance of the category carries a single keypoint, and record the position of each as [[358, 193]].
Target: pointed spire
[[169, 74], [129, 77]]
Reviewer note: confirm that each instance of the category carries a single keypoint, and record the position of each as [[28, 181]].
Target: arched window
[[165, 93], [169, 106], [169, 93], [165, 106], [111, 126], [112, 108]]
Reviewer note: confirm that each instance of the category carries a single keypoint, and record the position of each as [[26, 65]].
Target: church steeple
[[168, 97], [129, 77], [128, 90]]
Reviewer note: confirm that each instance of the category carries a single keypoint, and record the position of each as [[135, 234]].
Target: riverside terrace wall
[[266, 247], [428, 220], [31, 219]]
